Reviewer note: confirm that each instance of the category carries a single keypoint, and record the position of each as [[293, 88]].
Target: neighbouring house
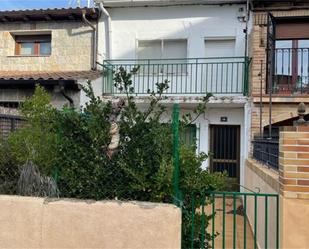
[[199, 47], [280, 56], [279, 47], [56, 48], [279, 79]]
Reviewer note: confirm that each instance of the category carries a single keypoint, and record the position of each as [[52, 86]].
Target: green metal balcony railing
[[225, 75]]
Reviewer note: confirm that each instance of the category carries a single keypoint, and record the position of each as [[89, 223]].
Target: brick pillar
[[294, 162], [294, 187]]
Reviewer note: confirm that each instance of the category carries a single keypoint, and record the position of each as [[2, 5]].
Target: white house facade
[[199, 46]]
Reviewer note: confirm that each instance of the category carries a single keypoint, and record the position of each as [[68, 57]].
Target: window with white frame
[[220, 71], [219, 48], [163, 56]]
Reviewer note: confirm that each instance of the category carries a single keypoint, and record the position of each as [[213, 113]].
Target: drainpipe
[[246, 28], [247, 47], [108, 31], [62, 91], [94, 41]]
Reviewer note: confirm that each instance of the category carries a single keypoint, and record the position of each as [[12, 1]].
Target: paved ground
[[229, 225]]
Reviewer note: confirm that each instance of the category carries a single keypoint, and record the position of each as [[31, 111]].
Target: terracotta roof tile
[[48, 75], [48, 14]]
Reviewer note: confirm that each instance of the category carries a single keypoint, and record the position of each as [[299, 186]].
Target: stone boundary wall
[[28, 222]]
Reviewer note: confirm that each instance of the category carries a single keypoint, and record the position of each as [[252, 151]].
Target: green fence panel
[[231, 206]]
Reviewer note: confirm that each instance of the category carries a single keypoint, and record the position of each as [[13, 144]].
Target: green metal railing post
[[223, 225], [246, 77], [56, 174], [255, 222], [266, 222], [277, 222], [234, 221], [175, 125], [213, 221], [245, 222], [192, 220], [203, 222]]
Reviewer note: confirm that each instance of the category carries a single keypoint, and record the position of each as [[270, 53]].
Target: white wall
[[97, 89], [194, 23], [236, 115]]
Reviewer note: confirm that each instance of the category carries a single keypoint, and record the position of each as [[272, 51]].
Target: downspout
[[62, 91], [246, 28], [247, 47], [94, 41], [108, 31]]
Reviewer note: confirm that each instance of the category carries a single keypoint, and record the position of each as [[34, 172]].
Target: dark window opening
[[188, 135]]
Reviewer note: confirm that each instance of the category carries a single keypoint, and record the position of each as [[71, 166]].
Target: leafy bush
[[9, 170], [37, 141], [73, 147]]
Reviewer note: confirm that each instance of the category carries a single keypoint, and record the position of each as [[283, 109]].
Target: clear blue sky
[[36, 4]]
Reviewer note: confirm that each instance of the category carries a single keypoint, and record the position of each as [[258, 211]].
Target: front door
[[225, 151]]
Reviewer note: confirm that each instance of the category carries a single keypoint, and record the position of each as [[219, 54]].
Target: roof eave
[[48, 15], [161, 3]]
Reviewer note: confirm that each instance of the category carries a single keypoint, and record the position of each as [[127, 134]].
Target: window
[[220, 48], [39, 45], [165, 56], [288, 55], [291, 64], [188, 135]]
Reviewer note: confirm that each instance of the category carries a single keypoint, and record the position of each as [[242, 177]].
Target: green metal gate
[[233, 220]]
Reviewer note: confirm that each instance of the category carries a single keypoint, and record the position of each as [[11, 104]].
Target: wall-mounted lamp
[[241, 14]]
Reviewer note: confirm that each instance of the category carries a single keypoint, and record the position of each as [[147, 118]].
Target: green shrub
[[9, 170], [72, 147], [37, 141]]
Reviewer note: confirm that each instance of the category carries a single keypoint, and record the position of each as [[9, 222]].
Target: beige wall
[[295, 217], [42, 223], [263, 180], [71, 47]]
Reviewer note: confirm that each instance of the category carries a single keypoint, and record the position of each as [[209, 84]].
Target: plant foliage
[[71, 146]]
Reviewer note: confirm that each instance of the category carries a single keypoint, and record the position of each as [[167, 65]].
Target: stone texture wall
[[71, 47], [43, 223]]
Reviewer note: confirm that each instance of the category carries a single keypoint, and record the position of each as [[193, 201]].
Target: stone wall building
[[56, 48]]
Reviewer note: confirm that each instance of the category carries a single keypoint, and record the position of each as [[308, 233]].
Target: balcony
[[186, 77], [291, 71]]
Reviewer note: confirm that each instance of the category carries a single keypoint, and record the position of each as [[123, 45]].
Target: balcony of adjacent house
[[185, 76], [291, 68]]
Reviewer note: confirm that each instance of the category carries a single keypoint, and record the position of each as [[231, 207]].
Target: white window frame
[[161, 60]]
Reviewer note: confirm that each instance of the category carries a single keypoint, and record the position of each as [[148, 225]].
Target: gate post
[[294, 186], [175, 125]]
